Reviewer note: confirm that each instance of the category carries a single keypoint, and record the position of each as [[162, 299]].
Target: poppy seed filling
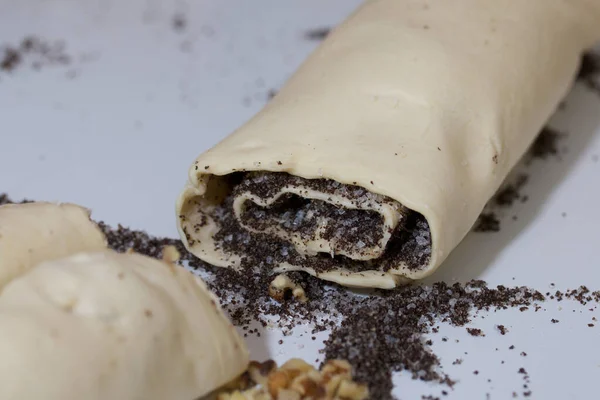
[[272, 218]]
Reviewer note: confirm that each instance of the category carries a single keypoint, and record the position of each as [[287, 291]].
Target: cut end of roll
[[274, 220]]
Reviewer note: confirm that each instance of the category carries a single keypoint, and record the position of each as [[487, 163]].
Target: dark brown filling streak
[[410, 242], [352, 229]]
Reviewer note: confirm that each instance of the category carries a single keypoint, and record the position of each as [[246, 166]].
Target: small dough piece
[[35, 232], [105, 325], [429, 104]]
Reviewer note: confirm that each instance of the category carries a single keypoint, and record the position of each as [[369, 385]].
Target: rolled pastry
[[35, 232], [113, 326], [375, 159]]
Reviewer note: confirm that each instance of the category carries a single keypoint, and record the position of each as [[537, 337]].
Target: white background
[[145, 100]]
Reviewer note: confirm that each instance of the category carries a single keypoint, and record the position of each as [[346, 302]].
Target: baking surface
[[145, 91]]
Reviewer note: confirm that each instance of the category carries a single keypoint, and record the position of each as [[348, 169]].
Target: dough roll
[[377, 156], [35, 232]]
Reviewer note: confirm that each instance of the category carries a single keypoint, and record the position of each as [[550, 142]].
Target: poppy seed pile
[[378, 333]]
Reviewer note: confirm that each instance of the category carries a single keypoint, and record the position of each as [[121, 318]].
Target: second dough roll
[[81, 321]]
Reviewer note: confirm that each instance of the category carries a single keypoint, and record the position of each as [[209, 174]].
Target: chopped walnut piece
[[337, 367], [251, 394], [296, 364], [278, 380], [308, 387], [297, 380], [288, 394], [282, 286], [259, 372], [170, 254], [352, 390]]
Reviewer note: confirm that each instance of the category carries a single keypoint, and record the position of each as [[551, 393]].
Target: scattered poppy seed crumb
[[34, 51], [475, 332], [179, 22], [487, 222], [271, 93], [317, 33]]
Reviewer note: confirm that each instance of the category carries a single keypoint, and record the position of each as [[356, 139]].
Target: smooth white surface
[[119, 137]]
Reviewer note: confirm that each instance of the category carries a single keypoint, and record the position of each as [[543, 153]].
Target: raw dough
[[80, 321], [430, 103], [35, 232], [104, 325]]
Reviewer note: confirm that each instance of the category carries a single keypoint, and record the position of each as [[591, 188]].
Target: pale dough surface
[[114, 326], [35, 232], [428, 102], [83, 322]]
